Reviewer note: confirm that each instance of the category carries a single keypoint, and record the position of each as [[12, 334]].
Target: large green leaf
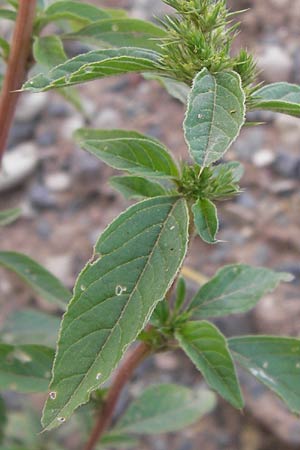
[[137, 187], [93, 65], [3, 419], [124, 32], [9, 215], [279, 97], [208, 349], [235, 289], [48, 51], [42, 281], [137, 258], [215, 115], [25, 368], [8, 14], [128, 150], [274, 361], [164, 408], [114, 440], [74, 10], [206, 220], [30, 327]]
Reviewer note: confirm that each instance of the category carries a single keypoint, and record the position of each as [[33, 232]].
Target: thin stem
[[123, 375], [16, 68]]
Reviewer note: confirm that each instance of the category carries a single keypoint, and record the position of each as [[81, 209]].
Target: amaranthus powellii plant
[[131, 292]]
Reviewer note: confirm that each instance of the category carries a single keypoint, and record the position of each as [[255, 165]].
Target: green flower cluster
[[200, 34]]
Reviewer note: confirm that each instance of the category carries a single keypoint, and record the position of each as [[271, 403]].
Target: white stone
[[31, 105], [263, 158], [58, 182], [17, 165]]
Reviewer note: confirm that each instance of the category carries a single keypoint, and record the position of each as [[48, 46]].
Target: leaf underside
[[278, 97], [37, 277], [274, 361], [208, 350], [128, 150], [215, 115], [206, 220], [235, 289], [165, 408], [139, 255]]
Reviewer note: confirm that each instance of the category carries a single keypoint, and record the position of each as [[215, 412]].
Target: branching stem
[[17, 68]]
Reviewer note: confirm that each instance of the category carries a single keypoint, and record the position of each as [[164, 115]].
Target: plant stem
[[123, 375], [20, 53]]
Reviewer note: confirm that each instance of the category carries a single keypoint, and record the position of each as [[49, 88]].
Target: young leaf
[[72, 10], [137, 187], [25, 368], [93, 65], [165, 408], [42, 281], [236, 168], [48, 51], [274, 361], [3, 419], [9, 215], [180, 294], [235, 289], [279, 97], [215, 115], [114, 297], [124, 32], [207, 348], [206, 220], [30, 327], [128, 150]]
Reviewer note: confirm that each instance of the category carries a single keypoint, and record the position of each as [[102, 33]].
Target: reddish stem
[[123, 375], [16, 68]]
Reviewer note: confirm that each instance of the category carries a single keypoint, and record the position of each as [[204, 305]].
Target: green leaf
[[93, 65], [137, 187], [76, 11], [30, 327], [48, 52], [176, 89], [8, 14], [9, 215], [3, 419], [42, 281], [215, 115], [165, 408], [124, 32], [180, 294], [234, 167], [128, 150], [25, 368], [4, 48], [137, 259], [274, 361], [235, 289], [118, 441], [279, 97], [208, 349], [206, 220]]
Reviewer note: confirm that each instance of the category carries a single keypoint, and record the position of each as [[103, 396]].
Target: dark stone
[[58, 109], [20, 132], [286, 165], [41, 198], [46, 138]]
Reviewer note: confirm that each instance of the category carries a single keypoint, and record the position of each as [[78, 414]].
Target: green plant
[[131, 289]]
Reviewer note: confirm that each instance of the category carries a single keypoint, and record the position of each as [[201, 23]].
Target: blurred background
[[67, 202]]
